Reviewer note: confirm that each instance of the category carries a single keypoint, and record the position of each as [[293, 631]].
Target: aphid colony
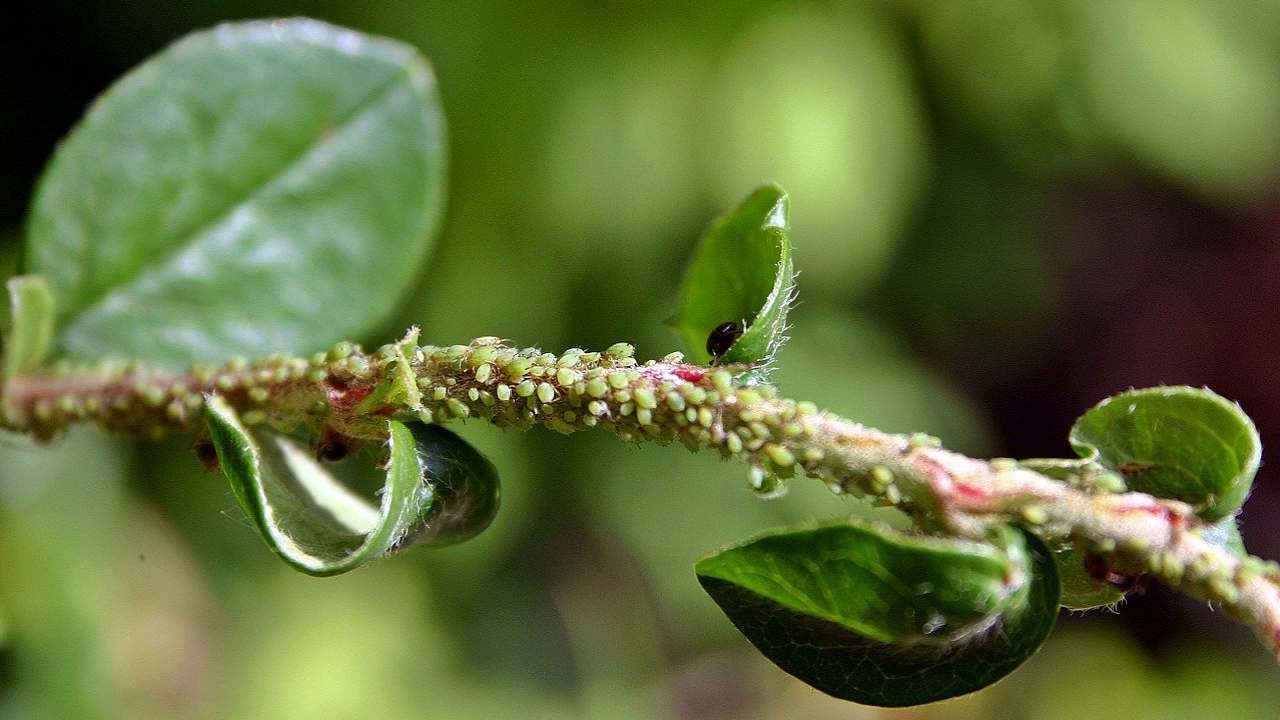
[[336, 395]]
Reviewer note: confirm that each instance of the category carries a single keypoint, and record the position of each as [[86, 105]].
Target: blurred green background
[[1002, 211]]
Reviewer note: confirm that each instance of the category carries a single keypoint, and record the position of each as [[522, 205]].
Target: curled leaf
[[438, 491], [1182, 443], [464, 485], [883, 618], [737, 289]]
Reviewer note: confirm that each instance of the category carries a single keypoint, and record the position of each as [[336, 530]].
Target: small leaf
[[30, 335], [1080, 590], [883, 618], [439, 491], [741, 273], [1175, 442], [259, 187]]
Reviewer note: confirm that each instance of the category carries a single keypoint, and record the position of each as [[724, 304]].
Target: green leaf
[[1080, 590], [883, 618], [30, 335], [1182, 443], [258, 187], [438, 491], [741, 273]]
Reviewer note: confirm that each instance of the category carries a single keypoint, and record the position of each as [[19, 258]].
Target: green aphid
[[1034, 515], [480, 356], [780, 456], [722, 381], [597, 387], [175, 411], [546, 392], [458, 409], [339, 351], [693, 394], [618, 351], [67, 405], [517, 368], [645, 398], [152, 395]]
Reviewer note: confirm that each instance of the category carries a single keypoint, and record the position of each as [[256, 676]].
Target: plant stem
[[350, 393]]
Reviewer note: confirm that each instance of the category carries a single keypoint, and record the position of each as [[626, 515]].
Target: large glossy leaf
[[1183, 443], [741, 273], [438, 491], [882, 618], [258, 187]]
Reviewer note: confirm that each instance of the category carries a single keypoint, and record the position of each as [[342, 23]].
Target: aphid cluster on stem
[[345, 395]]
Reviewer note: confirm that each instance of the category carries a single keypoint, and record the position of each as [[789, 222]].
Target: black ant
[[723, 337]]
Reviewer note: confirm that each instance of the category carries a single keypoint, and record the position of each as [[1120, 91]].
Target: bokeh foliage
[[925, 149]]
